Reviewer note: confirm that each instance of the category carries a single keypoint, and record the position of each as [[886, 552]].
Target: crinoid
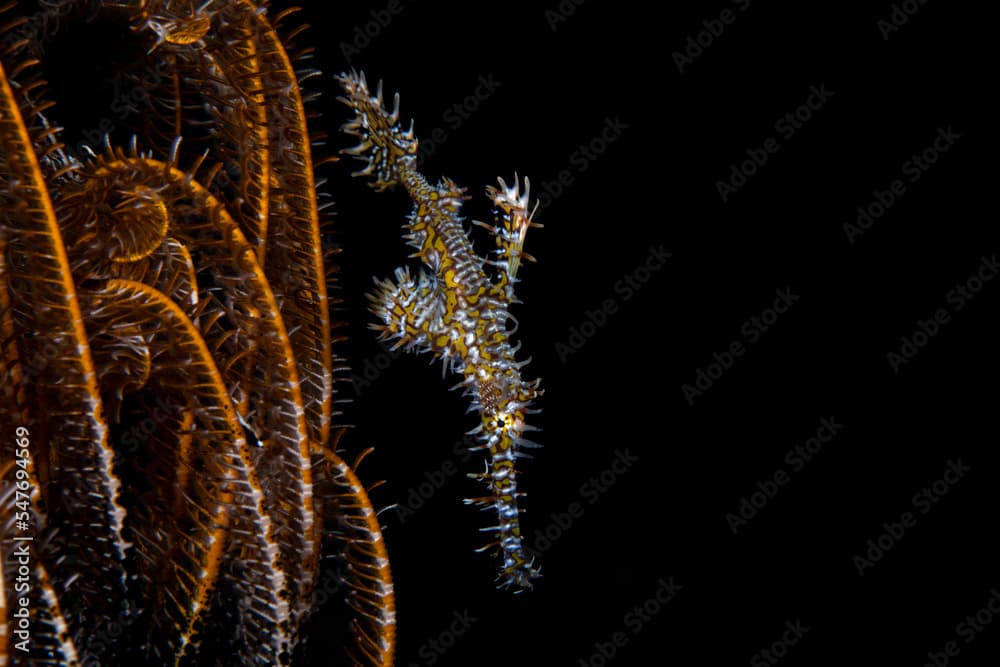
[[169, 476], [453, 309]]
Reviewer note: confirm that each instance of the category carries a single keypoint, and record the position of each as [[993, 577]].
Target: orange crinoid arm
[[74, 456], [165, 354]]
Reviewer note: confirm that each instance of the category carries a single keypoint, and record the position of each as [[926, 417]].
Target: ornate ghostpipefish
[[452, 309]]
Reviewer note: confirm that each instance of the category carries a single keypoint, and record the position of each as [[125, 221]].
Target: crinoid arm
[[354, 524], [165, 348]]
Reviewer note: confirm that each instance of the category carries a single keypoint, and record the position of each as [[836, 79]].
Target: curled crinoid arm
[[204, 510], [352, 521], [452, 310], [227, 60], [243, 330]]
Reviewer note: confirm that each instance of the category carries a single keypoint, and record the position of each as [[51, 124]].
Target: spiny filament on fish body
[[452, 309]]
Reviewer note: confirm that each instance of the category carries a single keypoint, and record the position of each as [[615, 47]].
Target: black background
[[827, 357], [655, 185]]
